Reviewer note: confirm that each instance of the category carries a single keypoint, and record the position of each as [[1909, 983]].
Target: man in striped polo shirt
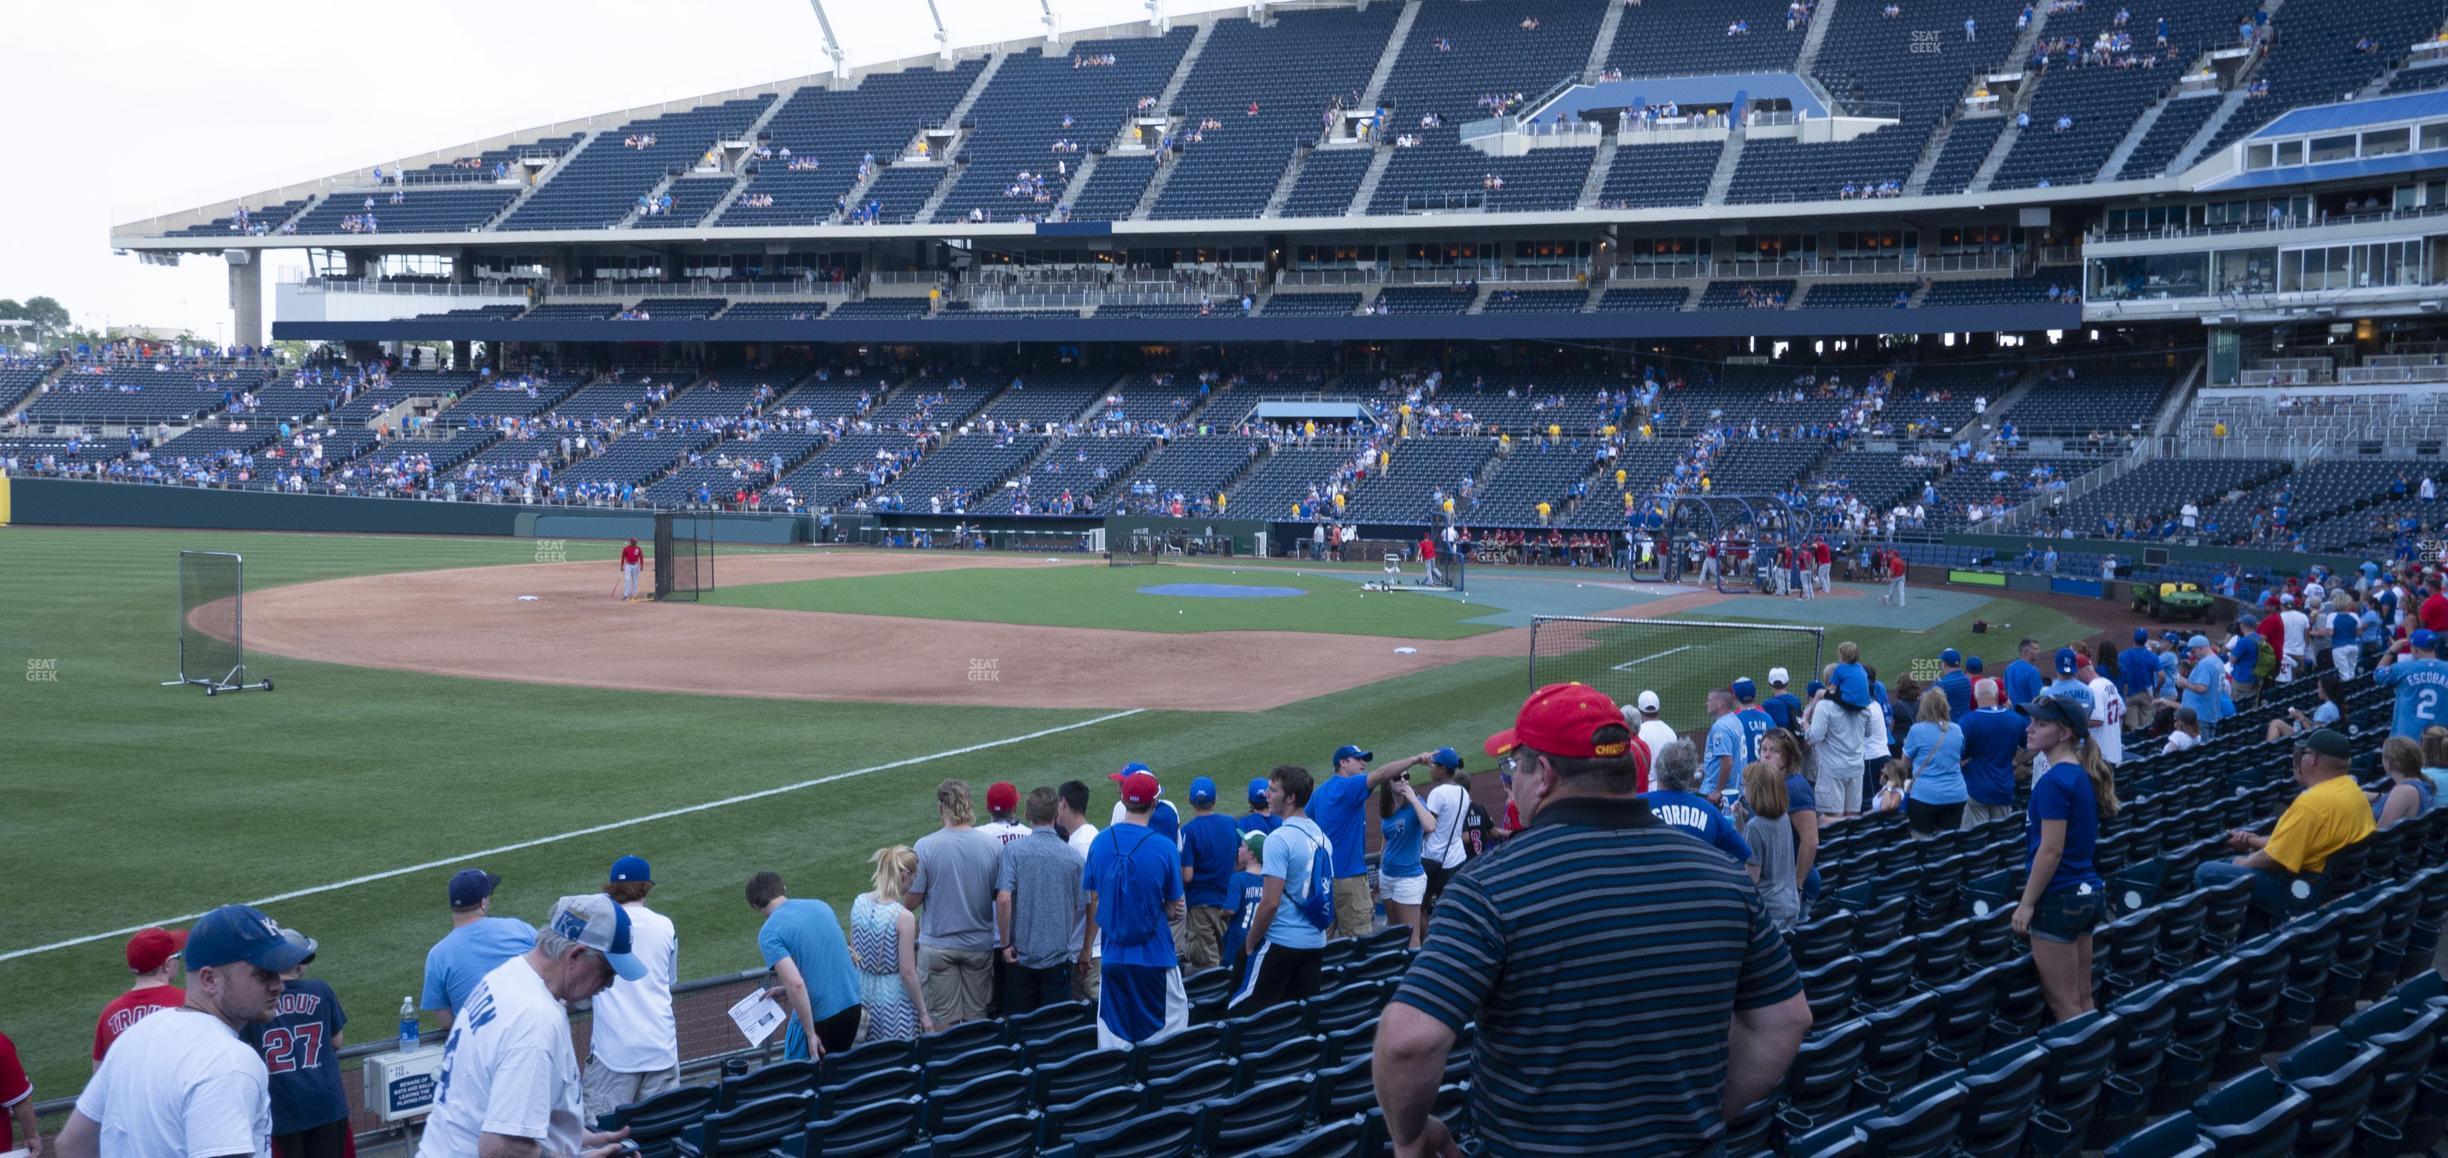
[[1574, 1057]]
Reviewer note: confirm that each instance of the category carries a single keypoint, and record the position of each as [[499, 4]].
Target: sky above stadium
[[125, 109]]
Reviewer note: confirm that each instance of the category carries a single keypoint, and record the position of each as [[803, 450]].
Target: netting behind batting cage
[[684, 556], [1679, 659], [212, 622]]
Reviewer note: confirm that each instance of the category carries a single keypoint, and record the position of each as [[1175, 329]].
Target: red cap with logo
[[1002, 796], [149, 949], [1138, 788], [1563, 720]]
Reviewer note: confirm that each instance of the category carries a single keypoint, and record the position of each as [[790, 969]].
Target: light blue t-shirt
[[809, 933], [1725, 741], [2209, 705], [461, 959], [1401, 857], [1936, 754], [2422, 694], [1289, 850]]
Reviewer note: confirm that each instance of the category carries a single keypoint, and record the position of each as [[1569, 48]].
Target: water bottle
[[410, 1035]]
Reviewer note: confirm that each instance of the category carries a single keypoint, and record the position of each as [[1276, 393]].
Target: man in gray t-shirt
[[954, 895], [1037, 908]]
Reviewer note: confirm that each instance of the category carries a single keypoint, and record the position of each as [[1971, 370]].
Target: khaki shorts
[[1199, 938], [956, 983], [1355, 908], [608, 1089]]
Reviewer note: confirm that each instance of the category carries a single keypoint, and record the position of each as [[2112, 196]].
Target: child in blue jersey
[[1243, 893]]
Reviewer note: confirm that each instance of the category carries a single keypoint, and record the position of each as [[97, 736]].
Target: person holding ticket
[[802, 943]]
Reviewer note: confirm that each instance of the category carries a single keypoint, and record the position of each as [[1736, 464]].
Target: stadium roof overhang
[[1711, 218]]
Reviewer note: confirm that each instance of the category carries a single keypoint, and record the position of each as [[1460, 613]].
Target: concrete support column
[[246, 297]]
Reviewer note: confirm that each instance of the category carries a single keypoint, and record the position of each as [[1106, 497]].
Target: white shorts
[[1402, 890]]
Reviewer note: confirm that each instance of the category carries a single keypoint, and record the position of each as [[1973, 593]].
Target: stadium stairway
[[1165, 103], [2115, 164], [743, 177], [1821, 16], [943, 190], [949, 163], [2190, 155], [2017, 59], [1393, 52], [1603, 45], [1290, 178], [2239, 91], [977, 88], [1723, 178], [550, 171], [1604, 162], [1379, 160]]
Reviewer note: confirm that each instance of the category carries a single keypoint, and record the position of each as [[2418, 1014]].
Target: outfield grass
[[1111, 597], [129, 802]]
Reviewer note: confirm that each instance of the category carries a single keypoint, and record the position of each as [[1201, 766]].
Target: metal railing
[[2283, 223]]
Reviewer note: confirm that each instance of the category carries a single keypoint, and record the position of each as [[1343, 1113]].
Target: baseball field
[[446, 703]]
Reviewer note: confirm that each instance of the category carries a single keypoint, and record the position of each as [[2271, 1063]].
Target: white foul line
[[1626, 665], [573, 834]]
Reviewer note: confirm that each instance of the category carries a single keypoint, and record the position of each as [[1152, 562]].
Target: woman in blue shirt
[[1401, 880], [2063, 895], [1935, 747]]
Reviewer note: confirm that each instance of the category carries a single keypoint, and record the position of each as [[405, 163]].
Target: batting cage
[[684, 556], [1137, 549], [212, 623], [1140, 548], [1679, 659]]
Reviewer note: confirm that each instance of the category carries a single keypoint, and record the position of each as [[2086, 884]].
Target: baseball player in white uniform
[[509, 1081]]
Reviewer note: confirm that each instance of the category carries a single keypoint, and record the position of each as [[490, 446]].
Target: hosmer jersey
[[508, 1069], [2108, 720]]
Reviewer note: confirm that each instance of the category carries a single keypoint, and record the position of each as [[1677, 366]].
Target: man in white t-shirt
[[636, 1041], [2107, 710], [2296, 656], [1646, 725], [509, 1083], [1443, 851], [182, 1082], [1071, 819], [1003, 805]]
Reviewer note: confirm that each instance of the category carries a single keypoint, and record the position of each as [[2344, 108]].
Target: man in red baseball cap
[[1133, 887], [1002, 803], [153, 956], [1594, 877]]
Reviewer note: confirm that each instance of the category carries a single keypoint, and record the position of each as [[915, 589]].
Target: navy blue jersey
[[301, 1050]]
